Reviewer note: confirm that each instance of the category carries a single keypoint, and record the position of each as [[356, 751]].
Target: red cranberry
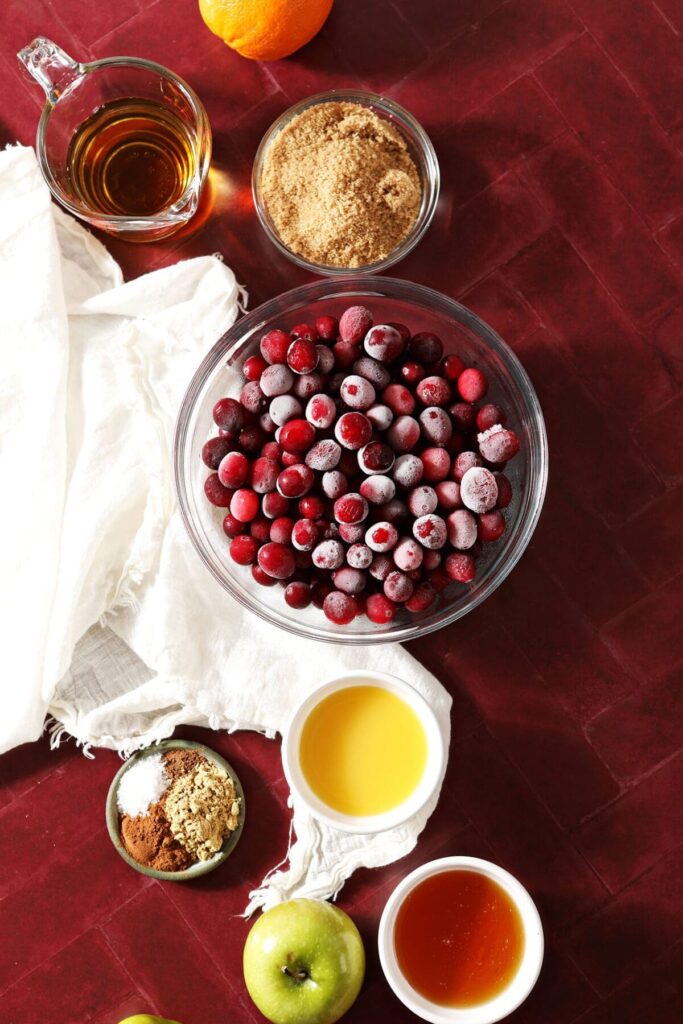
[[372, 371], [448, 494], [463, 416], [408, 470], [276, 380], [295, 481], [376, 457], [325, 359], [402, 330], [264, 474], [357, 392], [329, 554], [267, 423], [462, 529], [399, 399], [251, 439], [436, 425], [274, 505], [422, 598], [319, 591], [324, 455], [229, 415], [302, 356], [262, 577], [340, 608], [412, 373], [379, 609], [281, 529], [305, 331], [434, 391], [304, 535], [436, 464], [344, 355], [491, 525], [381, 566], [489, 415], [351, 581], [355, 323], [478, 489], [498, 445], [422, 500], [431, 560], [359, 556], [452, 367], [253, 367], [350, 508], [274, 346], [327, 327], [351, 533], [398, 587], [259, 529], [378, 490], [253, 398], [408, 554], [472, 385], [334, 484], [297, 436], [277, 560], [463, 462], [284, 408], [233, 470], [426, 348], [321, 411], [215, 450], [431, 531], [383, 343], [243, 550], [216, 492], [307, 384], [381, 537], [271, 450], [439, 579], [244, 505], [504, 490], [311, 507], [403, 434], [460, 567], [289, 459], [353, 430], [298, 594], [380, 416], [232, 527]]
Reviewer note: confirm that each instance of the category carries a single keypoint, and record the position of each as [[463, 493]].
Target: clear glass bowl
[[419, 146], [422, 309]]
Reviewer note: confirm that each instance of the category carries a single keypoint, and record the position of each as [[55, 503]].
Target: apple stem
[[297, 975]]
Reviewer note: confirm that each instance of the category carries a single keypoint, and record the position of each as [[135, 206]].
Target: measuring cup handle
[[50, 66]]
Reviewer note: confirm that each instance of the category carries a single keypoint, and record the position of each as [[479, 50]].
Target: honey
[[131, 157], [459, 938]]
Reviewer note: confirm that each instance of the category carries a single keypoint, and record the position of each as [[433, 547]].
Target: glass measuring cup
[[77, 95]]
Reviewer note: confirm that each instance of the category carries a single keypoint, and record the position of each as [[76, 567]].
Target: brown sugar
[[340, 185], [179, 762], [149, 840]]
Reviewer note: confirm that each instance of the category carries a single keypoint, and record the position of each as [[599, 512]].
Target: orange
[[265, 29]]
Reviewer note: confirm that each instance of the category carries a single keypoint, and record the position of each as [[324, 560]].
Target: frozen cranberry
[[381, 537], [298, 594], [448, 494], [281, 529], [422, 500], [327, 327], [216, 492], [243, 550], [319, 591], [462, 529], [229, 415], [408, 470], [321, 411], [284, 408], [357, 392], [267, 423], [431, 531], [491, 525], [403, 434], [378, 489], [262, 577], [489, 415], [460, 567], [393, 511], [350, 508], [295, 481], [426, 348], [302, 356], [436, 464], [215, 450], [412, 373], [244, 505], [402, 330], [340, 608], [277, 560], [408, 554], [271, 450], [311, 507], [380, 609], [422, 598], [325, 359], [289, 459], [498, 445], [472, 385], [376, 457], [355, 323], [353, 430], [304, 332], [252, 439], [351, 533], [463, 416], [359, 556], [398, 587], [276, 380], [463, 462], [436, 425], [334, 484], [329, 554], [439, 579], [452, 367], [344, 355], [253, 367], [383, 343], [478, 489], [233, 470], [307, 384], [304, 535], [252, 397], [351, 581], [274, 505], [399, 399], [297, 436], [434, 391], [232, 527], [259, 528], [264, 474], [380, 416], [504, 490], [372, 371], [324, 455], [274, 346]]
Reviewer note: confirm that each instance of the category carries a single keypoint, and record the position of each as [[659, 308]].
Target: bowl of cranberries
[[360, 461]]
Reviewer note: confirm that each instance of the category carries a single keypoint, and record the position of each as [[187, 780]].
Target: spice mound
[[176, 808], [340, 185]]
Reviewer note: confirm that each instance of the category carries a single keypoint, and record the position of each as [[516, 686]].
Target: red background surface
[[559, 127]]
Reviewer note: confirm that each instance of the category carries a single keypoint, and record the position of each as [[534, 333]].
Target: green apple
[[304, 963], [147, 1018]]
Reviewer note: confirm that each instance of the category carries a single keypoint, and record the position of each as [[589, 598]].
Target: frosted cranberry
[[277, 560], [393, 511], [422, 598], [452, 367], [426, 348], [436, 464], [295, 481], [344, 355], [381, 566], [489, 415], [463, 462], [252, 397], [412, 373], [380, 416], [448, 494], [351, 533], [340, 608], [355, 323], [216, 492], [244, 505], [259, 529], [398, 587], [491, 526], [276, 380], [311, 507], [304, 332], [381, 537], [463, 416], [307, 384], [472, 385], [283, 409], [378, 489], [372, 371], [215, 450], [325, 359], [281, 529], [253, 367], [504, 490], [232, 527], [297, 436], [229, 415], [436, 425], [233, 470], [267, 423], [376, 457], [434, 391], [359, 556], [264, 474], [383, 343], [478, 489], [298, 594], [321, 411], [251, 439], [274, 505], [399, 399], [408, 470], [380, 609], [327, 327], [351, 581], [460, 567], [271, 450], [408, 554], [462, 529], [289, 459], [353, 430], [403, 434], [334, 484], [357, 392], [329, 554], [431, 559], [422, 500], [324, 455], [350, 508], [243, 550], [274, 346], [498, 445], [304, 535], [302, 356], [431, 531]]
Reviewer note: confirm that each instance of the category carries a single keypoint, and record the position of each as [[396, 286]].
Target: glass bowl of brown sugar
[[345, 181]]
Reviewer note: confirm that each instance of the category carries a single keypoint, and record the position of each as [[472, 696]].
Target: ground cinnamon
[[149, 841]]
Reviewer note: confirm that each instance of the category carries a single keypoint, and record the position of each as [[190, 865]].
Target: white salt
[[142, 785]]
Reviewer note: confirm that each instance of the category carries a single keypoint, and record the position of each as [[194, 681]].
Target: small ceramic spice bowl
[[199, 867]]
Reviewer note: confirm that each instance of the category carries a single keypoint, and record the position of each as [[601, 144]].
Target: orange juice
[[363, 750]]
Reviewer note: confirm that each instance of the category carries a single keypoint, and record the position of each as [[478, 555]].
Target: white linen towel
[[110, 622]]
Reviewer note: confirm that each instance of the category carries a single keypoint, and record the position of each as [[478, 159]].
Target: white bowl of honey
[[461, 942], [364, 752]]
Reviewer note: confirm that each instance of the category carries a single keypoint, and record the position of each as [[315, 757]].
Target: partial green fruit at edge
[[147, 1018]]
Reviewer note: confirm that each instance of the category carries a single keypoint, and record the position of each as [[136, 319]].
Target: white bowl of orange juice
[[461, 942], [364, 752]]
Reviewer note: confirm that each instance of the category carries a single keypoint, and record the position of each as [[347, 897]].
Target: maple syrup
[[459, 938], [131, 157]]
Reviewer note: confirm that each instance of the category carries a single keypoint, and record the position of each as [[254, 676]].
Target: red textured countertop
[[559, 127]]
